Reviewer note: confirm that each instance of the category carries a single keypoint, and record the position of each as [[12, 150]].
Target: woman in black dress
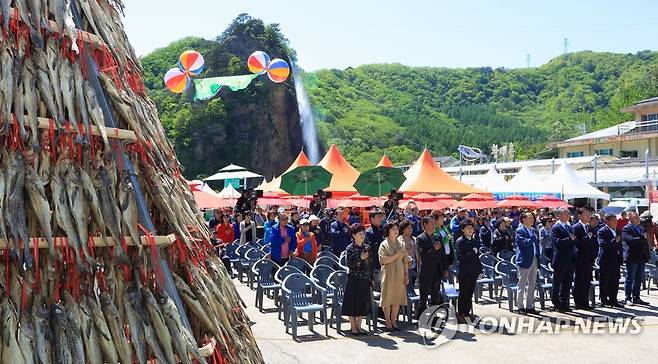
[[359, 280]]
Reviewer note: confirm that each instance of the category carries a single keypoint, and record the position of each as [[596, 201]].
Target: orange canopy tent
[[274, 186], [426, 176], [385, 162], [344, 175]]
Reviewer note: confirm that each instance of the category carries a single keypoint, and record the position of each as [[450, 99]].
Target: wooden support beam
[[112, 133], [98, 241], [81, 34]]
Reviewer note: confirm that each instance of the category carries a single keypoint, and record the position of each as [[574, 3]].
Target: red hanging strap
[[154, 254]]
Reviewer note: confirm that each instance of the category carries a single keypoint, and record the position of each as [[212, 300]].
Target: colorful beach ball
[[176, 80], [258, 62], [191, 62], [278, 71]]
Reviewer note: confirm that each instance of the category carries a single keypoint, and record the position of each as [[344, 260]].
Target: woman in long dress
[[359, 280], [394, 275]]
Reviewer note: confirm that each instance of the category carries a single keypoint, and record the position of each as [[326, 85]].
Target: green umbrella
[[379, 181], [305, 179]]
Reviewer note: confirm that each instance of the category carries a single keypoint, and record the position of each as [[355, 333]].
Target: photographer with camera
[[391, 205]]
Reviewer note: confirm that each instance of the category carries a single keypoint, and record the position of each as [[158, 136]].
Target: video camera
[[248, 199], [319, 202], [392, 203]]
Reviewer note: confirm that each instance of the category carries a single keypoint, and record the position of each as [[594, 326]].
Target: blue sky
[[440, 33]]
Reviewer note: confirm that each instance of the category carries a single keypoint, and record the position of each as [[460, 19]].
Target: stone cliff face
[[278, 136]]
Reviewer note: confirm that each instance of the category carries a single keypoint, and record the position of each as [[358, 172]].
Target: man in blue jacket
[[455, 221], [609, 261], [527, 259], [586, 251], [636, 255], [283, 241], [564, 246], [340, 236]]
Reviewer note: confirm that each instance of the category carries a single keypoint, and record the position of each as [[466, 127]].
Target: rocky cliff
[[257, 128]]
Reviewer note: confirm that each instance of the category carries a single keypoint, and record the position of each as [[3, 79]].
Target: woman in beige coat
[[394, 274]]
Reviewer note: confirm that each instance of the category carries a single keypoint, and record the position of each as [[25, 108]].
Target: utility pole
[[566, 47]]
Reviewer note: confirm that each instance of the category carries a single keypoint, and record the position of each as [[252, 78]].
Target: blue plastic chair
[[545, 285], [485, 250], [279, 277], [264, 270], [242, 263], [328, 261], [487, 279], [505, 255], [320, 274], [450, 293], [652, 276], [230, 250], [297, 287], [343, 262], [251, 257], [510, 281], [328, 253], [413, 301], [337, 281], [300, 264]]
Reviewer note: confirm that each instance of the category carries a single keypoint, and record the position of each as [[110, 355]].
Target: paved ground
[[468, 346]]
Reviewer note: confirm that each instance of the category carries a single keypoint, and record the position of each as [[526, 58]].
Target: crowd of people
[[403, 249]]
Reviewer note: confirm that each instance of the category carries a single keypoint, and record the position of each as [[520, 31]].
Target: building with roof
[[626, 140]]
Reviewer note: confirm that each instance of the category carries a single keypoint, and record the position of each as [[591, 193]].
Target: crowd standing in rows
[[391, 251]]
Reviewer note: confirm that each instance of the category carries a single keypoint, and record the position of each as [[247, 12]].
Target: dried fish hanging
[[78, 270]]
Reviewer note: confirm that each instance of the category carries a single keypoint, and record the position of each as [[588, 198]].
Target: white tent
[[492, 181], [567, 182], [229, 192], [527, 182], [232, 172], [201, 186]]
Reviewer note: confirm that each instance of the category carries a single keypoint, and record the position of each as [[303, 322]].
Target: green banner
[[232, 181], [207, 88]]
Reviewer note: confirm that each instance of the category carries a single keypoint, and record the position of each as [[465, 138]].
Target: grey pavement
[[468, 346]]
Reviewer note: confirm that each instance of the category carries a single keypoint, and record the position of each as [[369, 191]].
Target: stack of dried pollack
[[95, 292]]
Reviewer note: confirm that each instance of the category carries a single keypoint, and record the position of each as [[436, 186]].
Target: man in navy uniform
[[585, 256], [609, 261], [433, 268], [564, 245], [375, 236], [636, 255], [340, 237]]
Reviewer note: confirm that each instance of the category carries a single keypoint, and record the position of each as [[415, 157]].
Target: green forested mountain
[[396, 109], [389, 108]]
